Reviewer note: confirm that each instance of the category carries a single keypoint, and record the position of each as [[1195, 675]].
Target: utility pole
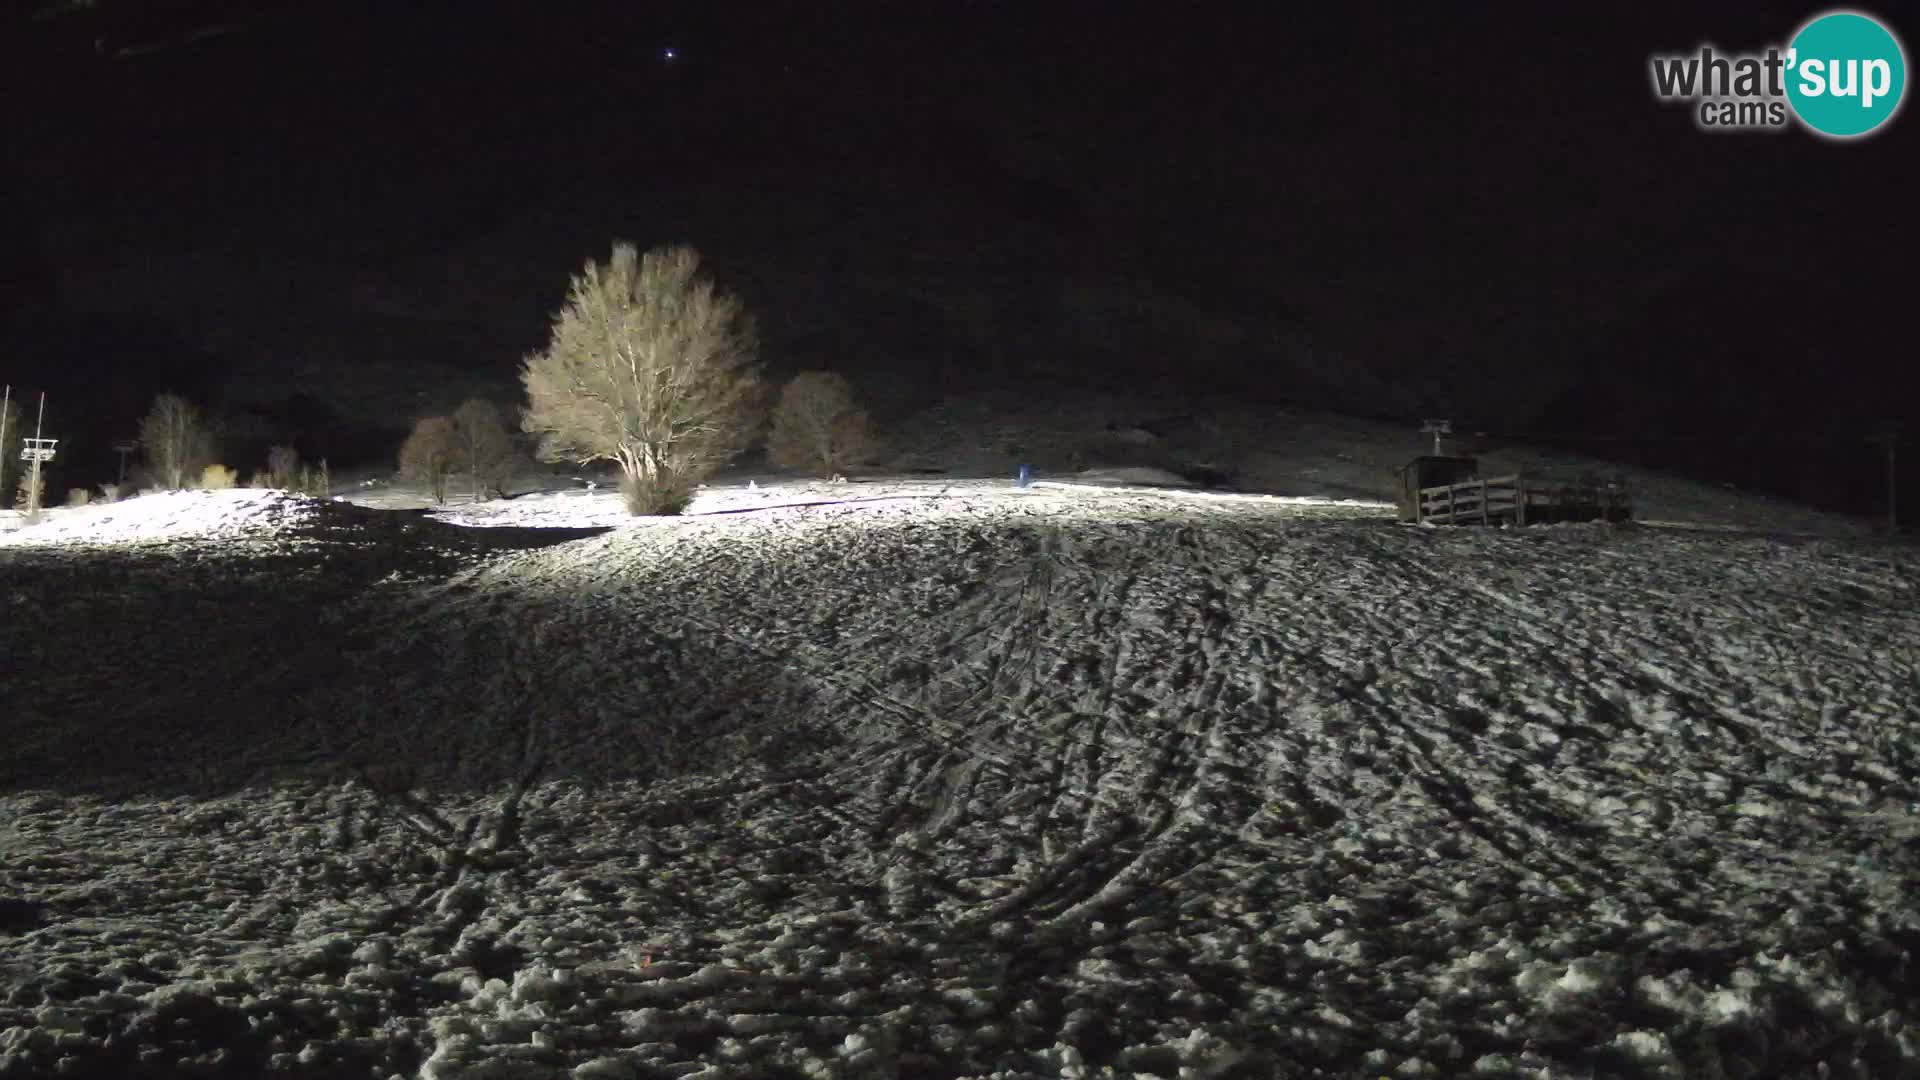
[[6, 404], [40, 452]]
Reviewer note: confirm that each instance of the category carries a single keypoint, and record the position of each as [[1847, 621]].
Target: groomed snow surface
[[949, 780]]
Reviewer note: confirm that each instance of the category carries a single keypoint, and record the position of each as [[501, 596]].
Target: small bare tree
[[649, 367], [428, 455], [317, 480], [283, 468], [218, 478], [483, 446], [174, 442], [818, 425]]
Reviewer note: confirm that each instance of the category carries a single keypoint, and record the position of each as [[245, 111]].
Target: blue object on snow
[[1026, 474]]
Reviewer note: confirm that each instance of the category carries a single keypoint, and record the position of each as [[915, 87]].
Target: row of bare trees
[[473, 440], [649, 366], [177, 451], [817, 425]]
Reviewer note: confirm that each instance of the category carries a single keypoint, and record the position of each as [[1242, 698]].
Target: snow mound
[[168, 516]]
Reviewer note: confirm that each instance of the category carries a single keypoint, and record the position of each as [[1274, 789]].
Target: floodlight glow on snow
[[878, 505], [158, 517]]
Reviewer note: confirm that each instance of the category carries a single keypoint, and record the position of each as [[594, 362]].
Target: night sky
[[1476, 211]]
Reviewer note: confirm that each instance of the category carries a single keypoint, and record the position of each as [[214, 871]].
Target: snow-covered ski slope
[[950, 780]]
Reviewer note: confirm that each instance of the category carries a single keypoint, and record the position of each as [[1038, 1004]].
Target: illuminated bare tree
[[428, 455], [174, 442], [651, 368], [819, 425], [482, 446]]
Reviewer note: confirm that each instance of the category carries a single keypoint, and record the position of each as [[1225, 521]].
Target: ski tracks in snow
[[1054, 783]]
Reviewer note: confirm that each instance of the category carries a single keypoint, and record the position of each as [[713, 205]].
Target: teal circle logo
[[1846, 74]]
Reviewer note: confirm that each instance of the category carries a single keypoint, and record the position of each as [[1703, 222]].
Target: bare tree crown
[[428, 454], [484, 447], [649, 366], [174, 442], [819, 424]]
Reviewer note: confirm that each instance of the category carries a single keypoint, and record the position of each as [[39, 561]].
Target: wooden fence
[[1502, 500]]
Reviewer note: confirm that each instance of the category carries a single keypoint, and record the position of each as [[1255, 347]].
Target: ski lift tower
[[37, 450], [123, 448], [1436, 428]]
